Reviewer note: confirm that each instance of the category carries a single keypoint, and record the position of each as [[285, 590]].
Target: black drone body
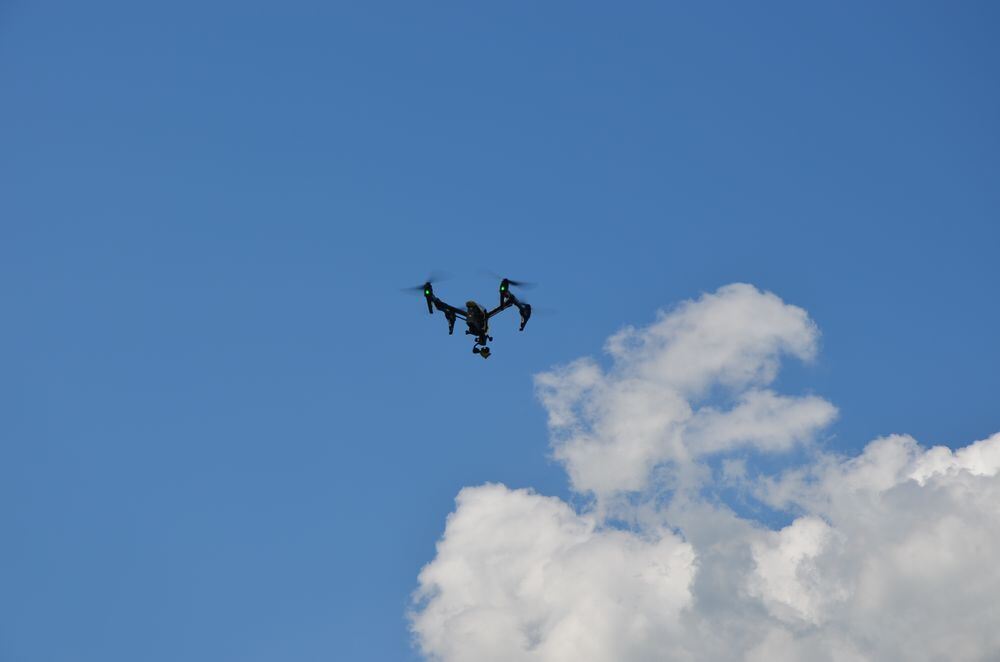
[[476, 317]]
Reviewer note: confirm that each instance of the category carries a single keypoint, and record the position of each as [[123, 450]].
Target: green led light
[[503, 287], [427, 292]]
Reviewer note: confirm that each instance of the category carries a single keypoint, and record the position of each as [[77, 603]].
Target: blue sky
[[227, 435]]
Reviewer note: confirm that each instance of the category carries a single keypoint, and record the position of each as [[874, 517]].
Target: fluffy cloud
[[612, 429], [889, 555], [520, 576], [896, 556]]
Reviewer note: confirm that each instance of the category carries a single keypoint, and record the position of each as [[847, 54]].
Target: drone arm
[[508, 301], [451, 313], [499, 309], [446, 308]]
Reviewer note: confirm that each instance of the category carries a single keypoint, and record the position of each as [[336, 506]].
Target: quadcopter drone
[[476, 317]]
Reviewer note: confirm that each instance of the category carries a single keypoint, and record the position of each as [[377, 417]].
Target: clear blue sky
[[225, 435]]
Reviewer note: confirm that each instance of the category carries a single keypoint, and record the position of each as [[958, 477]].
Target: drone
[[476, 317]]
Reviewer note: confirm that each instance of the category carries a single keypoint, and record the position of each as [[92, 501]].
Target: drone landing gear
[[482, 351]]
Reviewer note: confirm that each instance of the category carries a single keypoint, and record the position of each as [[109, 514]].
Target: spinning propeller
[[427, 288], [509, 282]]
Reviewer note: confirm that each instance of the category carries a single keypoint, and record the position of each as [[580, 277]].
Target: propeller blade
[[435, 276], [527, 285]]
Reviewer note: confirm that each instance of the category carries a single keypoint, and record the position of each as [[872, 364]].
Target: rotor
[[427, 289], [507, 283]]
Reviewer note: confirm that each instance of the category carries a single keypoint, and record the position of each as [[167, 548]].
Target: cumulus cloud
[[520, 576], [889, 555], [612, 428]]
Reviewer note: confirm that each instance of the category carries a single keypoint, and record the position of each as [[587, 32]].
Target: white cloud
[[788, 577], [733, 337], [520, 576], [761, 419], [612, 429], [891, 555], [908, 561]]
